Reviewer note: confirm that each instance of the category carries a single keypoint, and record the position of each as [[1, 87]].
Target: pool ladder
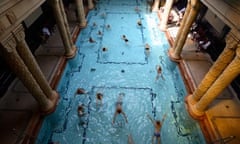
[[224, 140]]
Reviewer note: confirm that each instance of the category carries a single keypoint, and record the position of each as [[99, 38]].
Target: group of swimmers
[[119, 111]]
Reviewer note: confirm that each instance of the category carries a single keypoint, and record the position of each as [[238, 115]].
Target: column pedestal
[[194, 113], [72, 53], [90, 4], [172, 56], [81, 14]]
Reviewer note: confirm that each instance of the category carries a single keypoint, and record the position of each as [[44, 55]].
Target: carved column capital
[[19, 33], [2, 27], [231, 41], [9, 43], [238, 50], [11, 17], [54, 1]]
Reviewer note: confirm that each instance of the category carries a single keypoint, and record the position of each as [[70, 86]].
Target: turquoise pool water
[[123, 68]]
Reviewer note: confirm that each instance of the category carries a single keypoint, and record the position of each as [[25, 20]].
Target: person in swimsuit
[[119, 109], [104, 49], [158, 125], [81, 114], [159, 72], [99, 97], [80, 91], [124, 37], [139, 23], [147, 49], [108, 27], [91, 40]]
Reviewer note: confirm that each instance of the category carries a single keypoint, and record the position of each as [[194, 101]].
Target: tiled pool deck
[[18, 108]]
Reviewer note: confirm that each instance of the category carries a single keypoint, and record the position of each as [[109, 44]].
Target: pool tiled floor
[[18, 104]]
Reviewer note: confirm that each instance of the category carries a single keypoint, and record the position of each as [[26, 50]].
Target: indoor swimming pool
[[112, 60]]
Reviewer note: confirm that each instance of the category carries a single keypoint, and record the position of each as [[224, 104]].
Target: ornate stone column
[[26, 55], [58, 8], [180, 30], [81, 14], [90, 4], [195, 6], [231, 72], [155, 6], [9, 53], [166, 12], [218, 67]]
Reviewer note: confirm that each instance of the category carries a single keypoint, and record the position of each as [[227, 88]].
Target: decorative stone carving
[[9, 43], [231, 42], [18, 33], [11, 17], [2, 27]]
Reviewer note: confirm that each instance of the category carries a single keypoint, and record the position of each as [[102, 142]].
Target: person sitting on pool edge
[[158, 125], [99, 97], [118, 109]]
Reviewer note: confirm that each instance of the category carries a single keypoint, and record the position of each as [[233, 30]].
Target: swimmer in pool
[[158, 125], [130, 139], [81, 114], [118, 109], [99, 97], [108, 26], [147, 49], [91, 40], [159, 72], [104, 49], [124, 37], [99, 33], [139, 23], [81, 110], [80, 91], [94, 24], [126, 40]]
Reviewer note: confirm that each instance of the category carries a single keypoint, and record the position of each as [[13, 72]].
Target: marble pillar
[[90, 4], [180, 30], [29, 60], [218, 67], [81, 14], [227, 76], [61, 19], [17, 65], [195, 6], [166, 12]]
